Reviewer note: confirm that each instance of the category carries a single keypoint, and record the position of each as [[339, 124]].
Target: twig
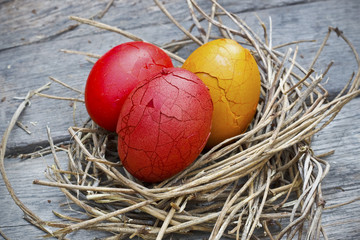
[[166, 12], [196, 21], [213, 10], [226, 191], [291, 43], [83, 188], [60, 98], [342, 204], [101, 14], [23, 127], [168, 218], [3, 235], [65, 85], [31, 216], [90, 222], [122, 32], [81, 53]]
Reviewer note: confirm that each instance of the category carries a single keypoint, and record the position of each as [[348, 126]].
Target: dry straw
[[265, 182]]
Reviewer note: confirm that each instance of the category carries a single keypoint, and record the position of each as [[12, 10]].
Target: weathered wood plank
[[341, 185], [33, 21], [29, 22], [28, 67], [41, 200], [343, 180], [26, 61], [310, 22]]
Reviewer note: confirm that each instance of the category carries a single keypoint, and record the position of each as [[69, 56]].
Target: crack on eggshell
[[152, 155], [227, 69], [168, 144], [150, 55], [184, 78], [172, 84], [148, 170], [225, 99], [159, 64], [150, 104], [132, 44], [160, 162], [194, 96]]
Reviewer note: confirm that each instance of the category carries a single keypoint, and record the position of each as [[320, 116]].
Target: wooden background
[[33, 32]]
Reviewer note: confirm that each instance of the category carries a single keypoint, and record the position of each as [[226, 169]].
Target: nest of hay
[[264, 182]]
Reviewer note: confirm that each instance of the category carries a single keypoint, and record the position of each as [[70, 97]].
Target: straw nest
[[263, 183]]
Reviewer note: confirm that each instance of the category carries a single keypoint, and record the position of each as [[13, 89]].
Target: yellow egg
[[232, 76]]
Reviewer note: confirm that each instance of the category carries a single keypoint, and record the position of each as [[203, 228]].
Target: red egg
[[164, 125], [116, 74]]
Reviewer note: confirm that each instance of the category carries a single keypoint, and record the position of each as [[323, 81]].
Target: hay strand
[[241, 188]]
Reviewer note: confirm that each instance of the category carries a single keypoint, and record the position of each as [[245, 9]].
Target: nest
[[265, 182]]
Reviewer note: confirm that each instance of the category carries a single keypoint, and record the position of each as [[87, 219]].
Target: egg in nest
[[164, 125], [232, 76]]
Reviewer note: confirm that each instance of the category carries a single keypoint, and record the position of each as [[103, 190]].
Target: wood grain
[[343, 180], [341, 184], [33, 32], [34, 63]]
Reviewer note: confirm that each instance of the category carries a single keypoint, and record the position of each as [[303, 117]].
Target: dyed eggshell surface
[[116, 74], [164, 125], [232, 75]]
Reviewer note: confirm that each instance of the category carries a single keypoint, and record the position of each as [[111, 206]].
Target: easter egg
[[115, 74], [164, 125], [232, 76]]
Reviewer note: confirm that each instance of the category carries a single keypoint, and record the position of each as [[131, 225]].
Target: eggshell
[[164, 125], [115, 74], [232, 75]]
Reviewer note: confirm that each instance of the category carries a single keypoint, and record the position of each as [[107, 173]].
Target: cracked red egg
[[232, 76], [116, 74], [164, 125]]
